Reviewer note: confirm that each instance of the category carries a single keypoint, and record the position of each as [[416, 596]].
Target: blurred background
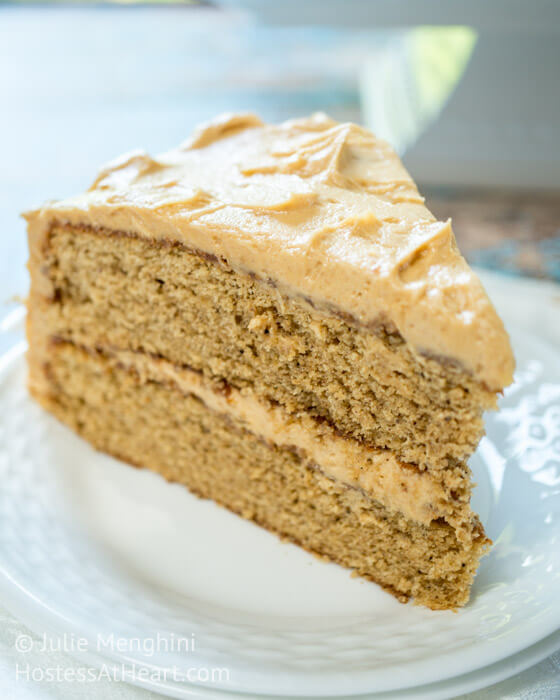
[[468, 93]]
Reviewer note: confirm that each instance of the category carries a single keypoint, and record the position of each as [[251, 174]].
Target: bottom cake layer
[[154, 425]]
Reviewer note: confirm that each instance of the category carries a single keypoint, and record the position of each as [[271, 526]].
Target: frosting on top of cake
[[325, 210]]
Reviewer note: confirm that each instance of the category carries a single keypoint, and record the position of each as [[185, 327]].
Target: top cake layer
[[324, 210]]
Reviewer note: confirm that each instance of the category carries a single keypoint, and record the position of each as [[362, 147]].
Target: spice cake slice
[[270, 316]]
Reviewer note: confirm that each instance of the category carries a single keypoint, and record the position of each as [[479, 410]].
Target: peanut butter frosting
[[324, 210]]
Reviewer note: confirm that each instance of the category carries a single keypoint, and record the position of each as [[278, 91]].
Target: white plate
[[92, 547]]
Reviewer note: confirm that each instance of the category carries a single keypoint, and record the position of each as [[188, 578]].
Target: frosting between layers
[[398, 486], [326, 210]]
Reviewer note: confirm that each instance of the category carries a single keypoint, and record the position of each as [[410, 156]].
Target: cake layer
[[100, 289], [326, 210], [157, 425]]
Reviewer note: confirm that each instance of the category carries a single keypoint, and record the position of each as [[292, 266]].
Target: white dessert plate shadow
[[92, 547]]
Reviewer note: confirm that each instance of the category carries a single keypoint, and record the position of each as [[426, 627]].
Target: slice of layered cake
[[270, 316]]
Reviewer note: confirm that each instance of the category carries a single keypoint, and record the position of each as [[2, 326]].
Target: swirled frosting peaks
[[324, 209]]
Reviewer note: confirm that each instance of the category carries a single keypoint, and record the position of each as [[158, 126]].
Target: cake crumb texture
[[132, 294]]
